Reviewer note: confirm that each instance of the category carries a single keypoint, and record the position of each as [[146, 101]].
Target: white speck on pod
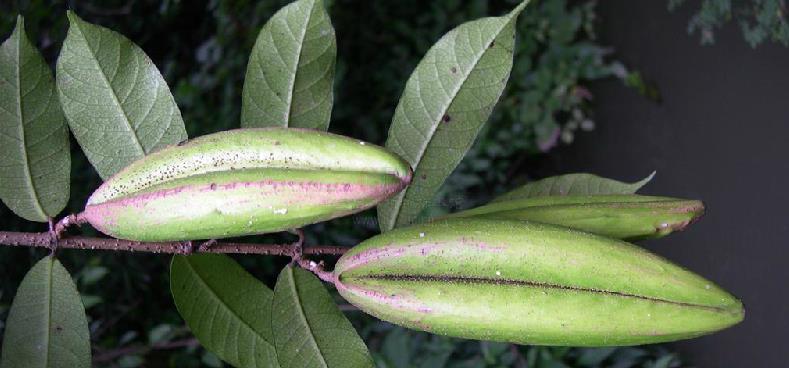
[[281, 211], [421, 235]]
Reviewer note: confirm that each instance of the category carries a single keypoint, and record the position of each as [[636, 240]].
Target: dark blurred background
[[618, 88], [719, 134]]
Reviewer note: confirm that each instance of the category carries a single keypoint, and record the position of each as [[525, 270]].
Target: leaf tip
[[640, 184], [18, 33], [72, 17], [518, 9]]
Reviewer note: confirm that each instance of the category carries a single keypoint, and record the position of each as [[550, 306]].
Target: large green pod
[[245, 181], [529, 283], [630, 217]]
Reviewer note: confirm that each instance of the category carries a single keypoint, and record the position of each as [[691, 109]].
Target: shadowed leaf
[[117, 103], [309, 329], [291, 70], [46, 326], [227, 309], [446, 102], [35, 161]]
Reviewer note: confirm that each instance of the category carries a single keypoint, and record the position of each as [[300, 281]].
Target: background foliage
[[759, 20], [202, 48]]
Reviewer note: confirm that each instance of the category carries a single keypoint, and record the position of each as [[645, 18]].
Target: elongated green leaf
[[573, 184], [446, 101], [291, 70], [35, 160], [115, 100], [309, 329], [46, 326], [226, 308]]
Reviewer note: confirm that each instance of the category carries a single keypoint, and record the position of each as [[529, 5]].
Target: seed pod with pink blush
[[243, 182], [529, 283]]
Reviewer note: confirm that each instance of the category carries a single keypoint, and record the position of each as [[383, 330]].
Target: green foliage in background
[[202, 48], [396, 347], [759, 20]]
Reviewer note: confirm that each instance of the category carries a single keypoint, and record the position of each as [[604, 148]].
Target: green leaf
[[46, 326], [115, 100], [291, 70], [446, 102], [310, 331], [573, 184], [35, 161], [226, 308]]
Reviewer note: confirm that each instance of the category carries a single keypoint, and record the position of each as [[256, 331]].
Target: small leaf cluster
[[760, 20]]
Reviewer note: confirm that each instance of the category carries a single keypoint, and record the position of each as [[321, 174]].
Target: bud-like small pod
[[245, 181], [529, 283], [631, 217]]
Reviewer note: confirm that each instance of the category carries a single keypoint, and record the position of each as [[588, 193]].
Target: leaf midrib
[[50, 269], [292, 84], [112, 93], [23, 139], [400, 198], [215, 296], [302, 314]]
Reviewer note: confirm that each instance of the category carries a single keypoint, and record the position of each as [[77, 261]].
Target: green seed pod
[[245, 181], [529, 283], [631, 217]]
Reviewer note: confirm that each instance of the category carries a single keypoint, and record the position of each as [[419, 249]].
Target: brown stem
[[317, 269], [66, 222], [312, 266], [44, 240]]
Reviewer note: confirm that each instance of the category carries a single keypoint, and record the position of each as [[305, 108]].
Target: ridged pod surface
[[529, 283], [630, 217], [244, 181]]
